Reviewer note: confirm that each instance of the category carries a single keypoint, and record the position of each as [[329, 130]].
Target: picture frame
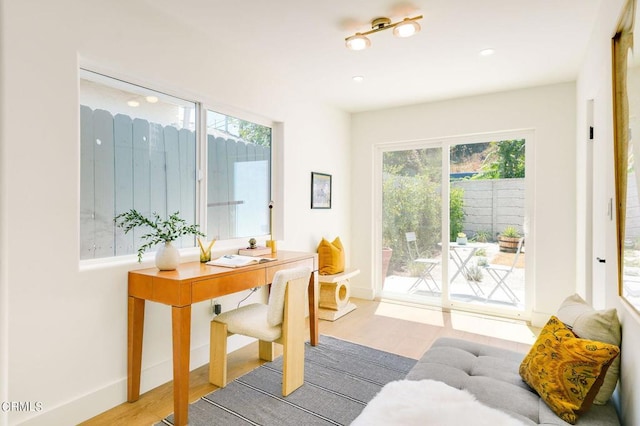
[[320, 190]]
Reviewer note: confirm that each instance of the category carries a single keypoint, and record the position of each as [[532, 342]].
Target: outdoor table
[[461, 254]]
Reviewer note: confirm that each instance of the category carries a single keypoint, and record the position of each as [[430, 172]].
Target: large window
[[141, 149]]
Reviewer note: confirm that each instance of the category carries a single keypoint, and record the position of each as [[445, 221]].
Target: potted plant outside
[[161, 231], [508, 240]]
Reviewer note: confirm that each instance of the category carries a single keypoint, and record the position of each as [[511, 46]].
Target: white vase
[[167, 257]]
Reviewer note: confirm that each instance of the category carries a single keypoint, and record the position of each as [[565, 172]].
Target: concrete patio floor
[[400, 282]]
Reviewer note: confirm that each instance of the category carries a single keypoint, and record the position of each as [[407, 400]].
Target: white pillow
[[602, 326]]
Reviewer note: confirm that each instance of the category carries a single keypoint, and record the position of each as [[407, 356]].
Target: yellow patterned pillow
[[566, 371], [330, 257]]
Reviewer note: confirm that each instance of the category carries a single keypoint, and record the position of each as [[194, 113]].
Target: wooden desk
[[190, 283]]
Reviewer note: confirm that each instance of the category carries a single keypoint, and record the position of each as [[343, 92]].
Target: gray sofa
[[491, 374]]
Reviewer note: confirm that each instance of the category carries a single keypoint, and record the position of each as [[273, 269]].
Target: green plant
[[473, 273], [481, 252], [162, 230], [456, 212], [482, 261], [505, 159], [511, 232], [482, 236], [411, 204]]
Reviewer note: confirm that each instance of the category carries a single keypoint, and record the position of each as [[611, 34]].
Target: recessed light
[[358, 78], [152, 99], [487, 52], [133, 103]]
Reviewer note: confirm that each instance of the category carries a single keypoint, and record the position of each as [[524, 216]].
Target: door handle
[[601, 260]]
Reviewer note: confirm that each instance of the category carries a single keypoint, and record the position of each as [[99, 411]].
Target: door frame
[[529, 222]]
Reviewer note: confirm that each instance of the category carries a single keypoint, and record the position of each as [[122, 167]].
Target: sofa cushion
[[491, 374], [566, 371], [602, 326]]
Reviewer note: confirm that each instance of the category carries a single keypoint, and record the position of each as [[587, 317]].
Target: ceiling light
[[152, 99], [357, 42], [133, 103], [487, 52], [358, 78], [405, 28]]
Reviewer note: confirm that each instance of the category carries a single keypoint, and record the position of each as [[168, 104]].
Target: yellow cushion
[[565, 370], [330, 257]]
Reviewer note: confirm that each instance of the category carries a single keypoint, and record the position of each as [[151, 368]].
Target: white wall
[[63, 327], [549, 111], [594, 83]]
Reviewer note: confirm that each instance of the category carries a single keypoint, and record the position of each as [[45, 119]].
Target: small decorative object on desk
[[271, 243], [205, 253], [462, 238], [162, 231], [255, 251]]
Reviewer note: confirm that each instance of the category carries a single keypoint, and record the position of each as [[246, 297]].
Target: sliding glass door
[[412, 223], [453, 224]]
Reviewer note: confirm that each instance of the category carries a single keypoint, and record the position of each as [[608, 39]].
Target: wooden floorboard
[[395, 327]]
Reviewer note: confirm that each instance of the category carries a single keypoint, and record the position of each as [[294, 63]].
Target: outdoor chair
[[427, 265], [281, 321], [499, 273]]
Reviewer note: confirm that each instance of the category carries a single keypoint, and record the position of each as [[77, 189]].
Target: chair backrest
[[412, 245], [294, 276], [518, 250]]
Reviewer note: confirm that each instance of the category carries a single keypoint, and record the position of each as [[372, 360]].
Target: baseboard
[[362, 293], [93, 403]]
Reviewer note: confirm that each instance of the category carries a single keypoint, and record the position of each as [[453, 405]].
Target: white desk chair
[[427, 264], [281, 321], [499, 273]]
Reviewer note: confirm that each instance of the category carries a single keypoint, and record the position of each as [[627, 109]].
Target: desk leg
[[313, 311], [135, 327], [181, 324]]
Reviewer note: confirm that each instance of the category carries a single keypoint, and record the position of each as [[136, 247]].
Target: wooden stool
[[334, 295]]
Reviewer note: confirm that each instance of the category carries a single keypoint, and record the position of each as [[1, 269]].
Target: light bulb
[[358, 42], [406, 28]]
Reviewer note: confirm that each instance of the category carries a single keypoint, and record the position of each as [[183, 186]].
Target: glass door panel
[[486, 224], [412, 224]]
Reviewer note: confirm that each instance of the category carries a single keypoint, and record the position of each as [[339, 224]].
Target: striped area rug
[[340, 379]]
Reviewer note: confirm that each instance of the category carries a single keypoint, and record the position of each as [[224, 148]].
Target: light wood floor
[[389, 326]]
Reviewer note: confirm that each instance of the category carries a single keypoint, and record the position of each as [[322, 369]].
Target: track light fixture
[[405, 28]]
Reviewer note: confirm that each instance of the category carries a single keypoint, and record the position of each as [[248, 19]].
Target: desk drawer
[[271, 270], [221, 286]]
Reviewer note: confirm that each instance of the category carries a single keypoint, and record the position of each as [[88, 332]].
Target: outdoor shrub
[[481, 236], [456, 212], [410, 204]]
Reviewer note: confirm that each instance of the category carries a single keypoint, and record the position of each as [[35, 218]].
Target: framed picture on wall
[[320, 191]]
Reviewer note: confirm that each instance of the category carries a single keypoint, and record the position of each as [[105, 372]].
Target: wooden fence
[[133, 163]]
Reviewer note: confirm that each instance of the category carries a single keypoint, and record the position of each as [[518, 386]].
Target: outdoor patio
[[474, 292]]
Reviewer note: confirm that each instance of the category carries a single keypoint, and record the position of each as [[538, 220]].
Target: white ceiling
[[300, 43]]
